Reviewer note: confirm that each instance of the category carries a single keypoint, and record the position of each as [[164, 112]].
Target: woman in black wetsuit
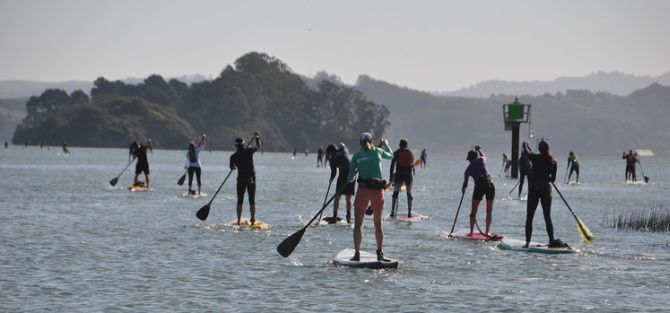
[[539, 190]]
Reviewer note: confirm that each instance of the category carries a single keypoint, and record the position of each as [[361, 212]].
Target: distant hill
[[579, 120], [25, 88], [258, 93], [613, 82]]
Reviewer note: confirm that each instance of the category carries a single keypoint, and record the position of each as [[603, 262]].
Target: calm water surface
[[71, 243]]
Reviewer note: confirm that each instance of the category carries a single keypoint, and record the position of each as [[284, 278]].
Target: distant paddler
[[193, 162], [139, 152], [339, 164], [525, 169], [631, 160], [243, 161], [368, 163], [424, 158], [319, 157], [479, 172], [573, 165], [6, 145], [401, 172], [544, 174], [65, 150]]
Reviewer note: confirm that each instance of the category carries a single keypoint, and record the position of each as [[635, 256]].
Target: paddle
[[182, 178], [325, 198], [116, 179], [456, 217], [646, 179], [204, 211], [510, 192], [565, 180], [286, 247], [584, 231]]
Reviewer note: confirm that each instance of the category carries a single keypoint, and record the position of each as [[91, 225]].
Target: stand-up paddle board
[[574, 183], [533, 247], [328, 220], [463, 234], [135, 188], [416, 217], [193, 195], [245, 223], [367, 260]]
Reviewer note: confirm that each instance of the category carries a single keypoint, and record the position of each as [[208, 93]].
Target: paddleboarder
[[573, 165], [193, 162], [339, 162], [524, 170], [65, 150], [543, 175], [319, 157], [368, 163], [243, 161], [139, 152], [402, 169], [631, 159], [424, 158], [479, 172], [507, 163]]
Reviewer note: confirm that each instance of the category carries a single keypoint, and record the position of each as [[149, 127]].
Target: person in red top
[[402, 169]]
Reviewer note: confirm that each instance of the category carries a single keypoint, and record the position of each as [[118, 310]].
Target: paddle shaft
[[326, 197], [456, 217], [220, 186], [646, 179], [566, 202], [517, 183], [125, 168]]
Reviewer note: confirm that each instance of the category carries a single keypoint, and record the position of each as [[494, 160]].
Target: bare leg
[[359, 215], [489, 215], [379, 232], [473, 215], [146, 176]]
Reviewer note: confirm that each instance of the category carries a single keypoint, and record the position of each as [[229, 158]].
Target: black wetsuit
[[539, 190], [340, 161], [524, 169], [319, 157], [142, 160], [630, 166], [243, 160]]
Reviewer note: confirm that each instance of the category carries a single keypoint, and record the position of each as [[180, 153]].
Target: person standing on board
[[319, 157], [524, 170], [424, 158], [193, 162], [543, 175], [507, 164], [631, 159], [65, 150], [243, 161], [339, 162], [140, 153], [483, 187], [402, 174], [6, 145], [573, 165], [368, 163]]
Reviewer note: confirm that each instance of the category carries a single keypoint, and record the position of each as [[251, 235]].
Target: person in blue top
[[483, 187], [339, 161], [193, 162], [368, 163]]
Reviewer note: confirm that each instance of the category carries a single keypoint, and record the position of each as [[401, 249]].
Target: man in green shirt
[[368, 163]]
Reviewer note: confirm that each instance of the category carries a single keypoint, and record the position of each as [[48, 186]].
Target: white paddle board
[[533, 247], [367, 260]]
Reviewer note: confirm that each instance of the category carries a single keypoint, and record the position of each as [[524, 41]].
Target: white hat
[[366, 137]]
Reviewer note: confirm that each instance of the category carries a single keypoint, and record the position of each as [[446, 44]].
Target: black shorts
[[349, 189], [142, 167], [574, 168], [248, 185], [482, 188], [402, 178]]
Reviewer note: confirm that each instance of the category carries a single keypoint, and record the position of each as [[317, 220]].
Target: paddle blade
[[646, 180], [203, 212], [417, 162], [181, 180], [114, 181], [585, 232], [286, 247]]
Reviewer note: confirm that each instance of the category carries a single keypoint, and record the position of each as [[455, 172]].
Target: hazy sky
[[428, 45]]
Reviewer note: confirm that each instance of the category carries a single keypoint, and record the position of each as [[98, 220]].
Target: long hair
[[544, 149], [193, 157]]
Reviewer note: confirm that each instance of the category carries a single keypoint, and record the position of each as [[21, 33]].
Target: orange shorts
[[366, 196]]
